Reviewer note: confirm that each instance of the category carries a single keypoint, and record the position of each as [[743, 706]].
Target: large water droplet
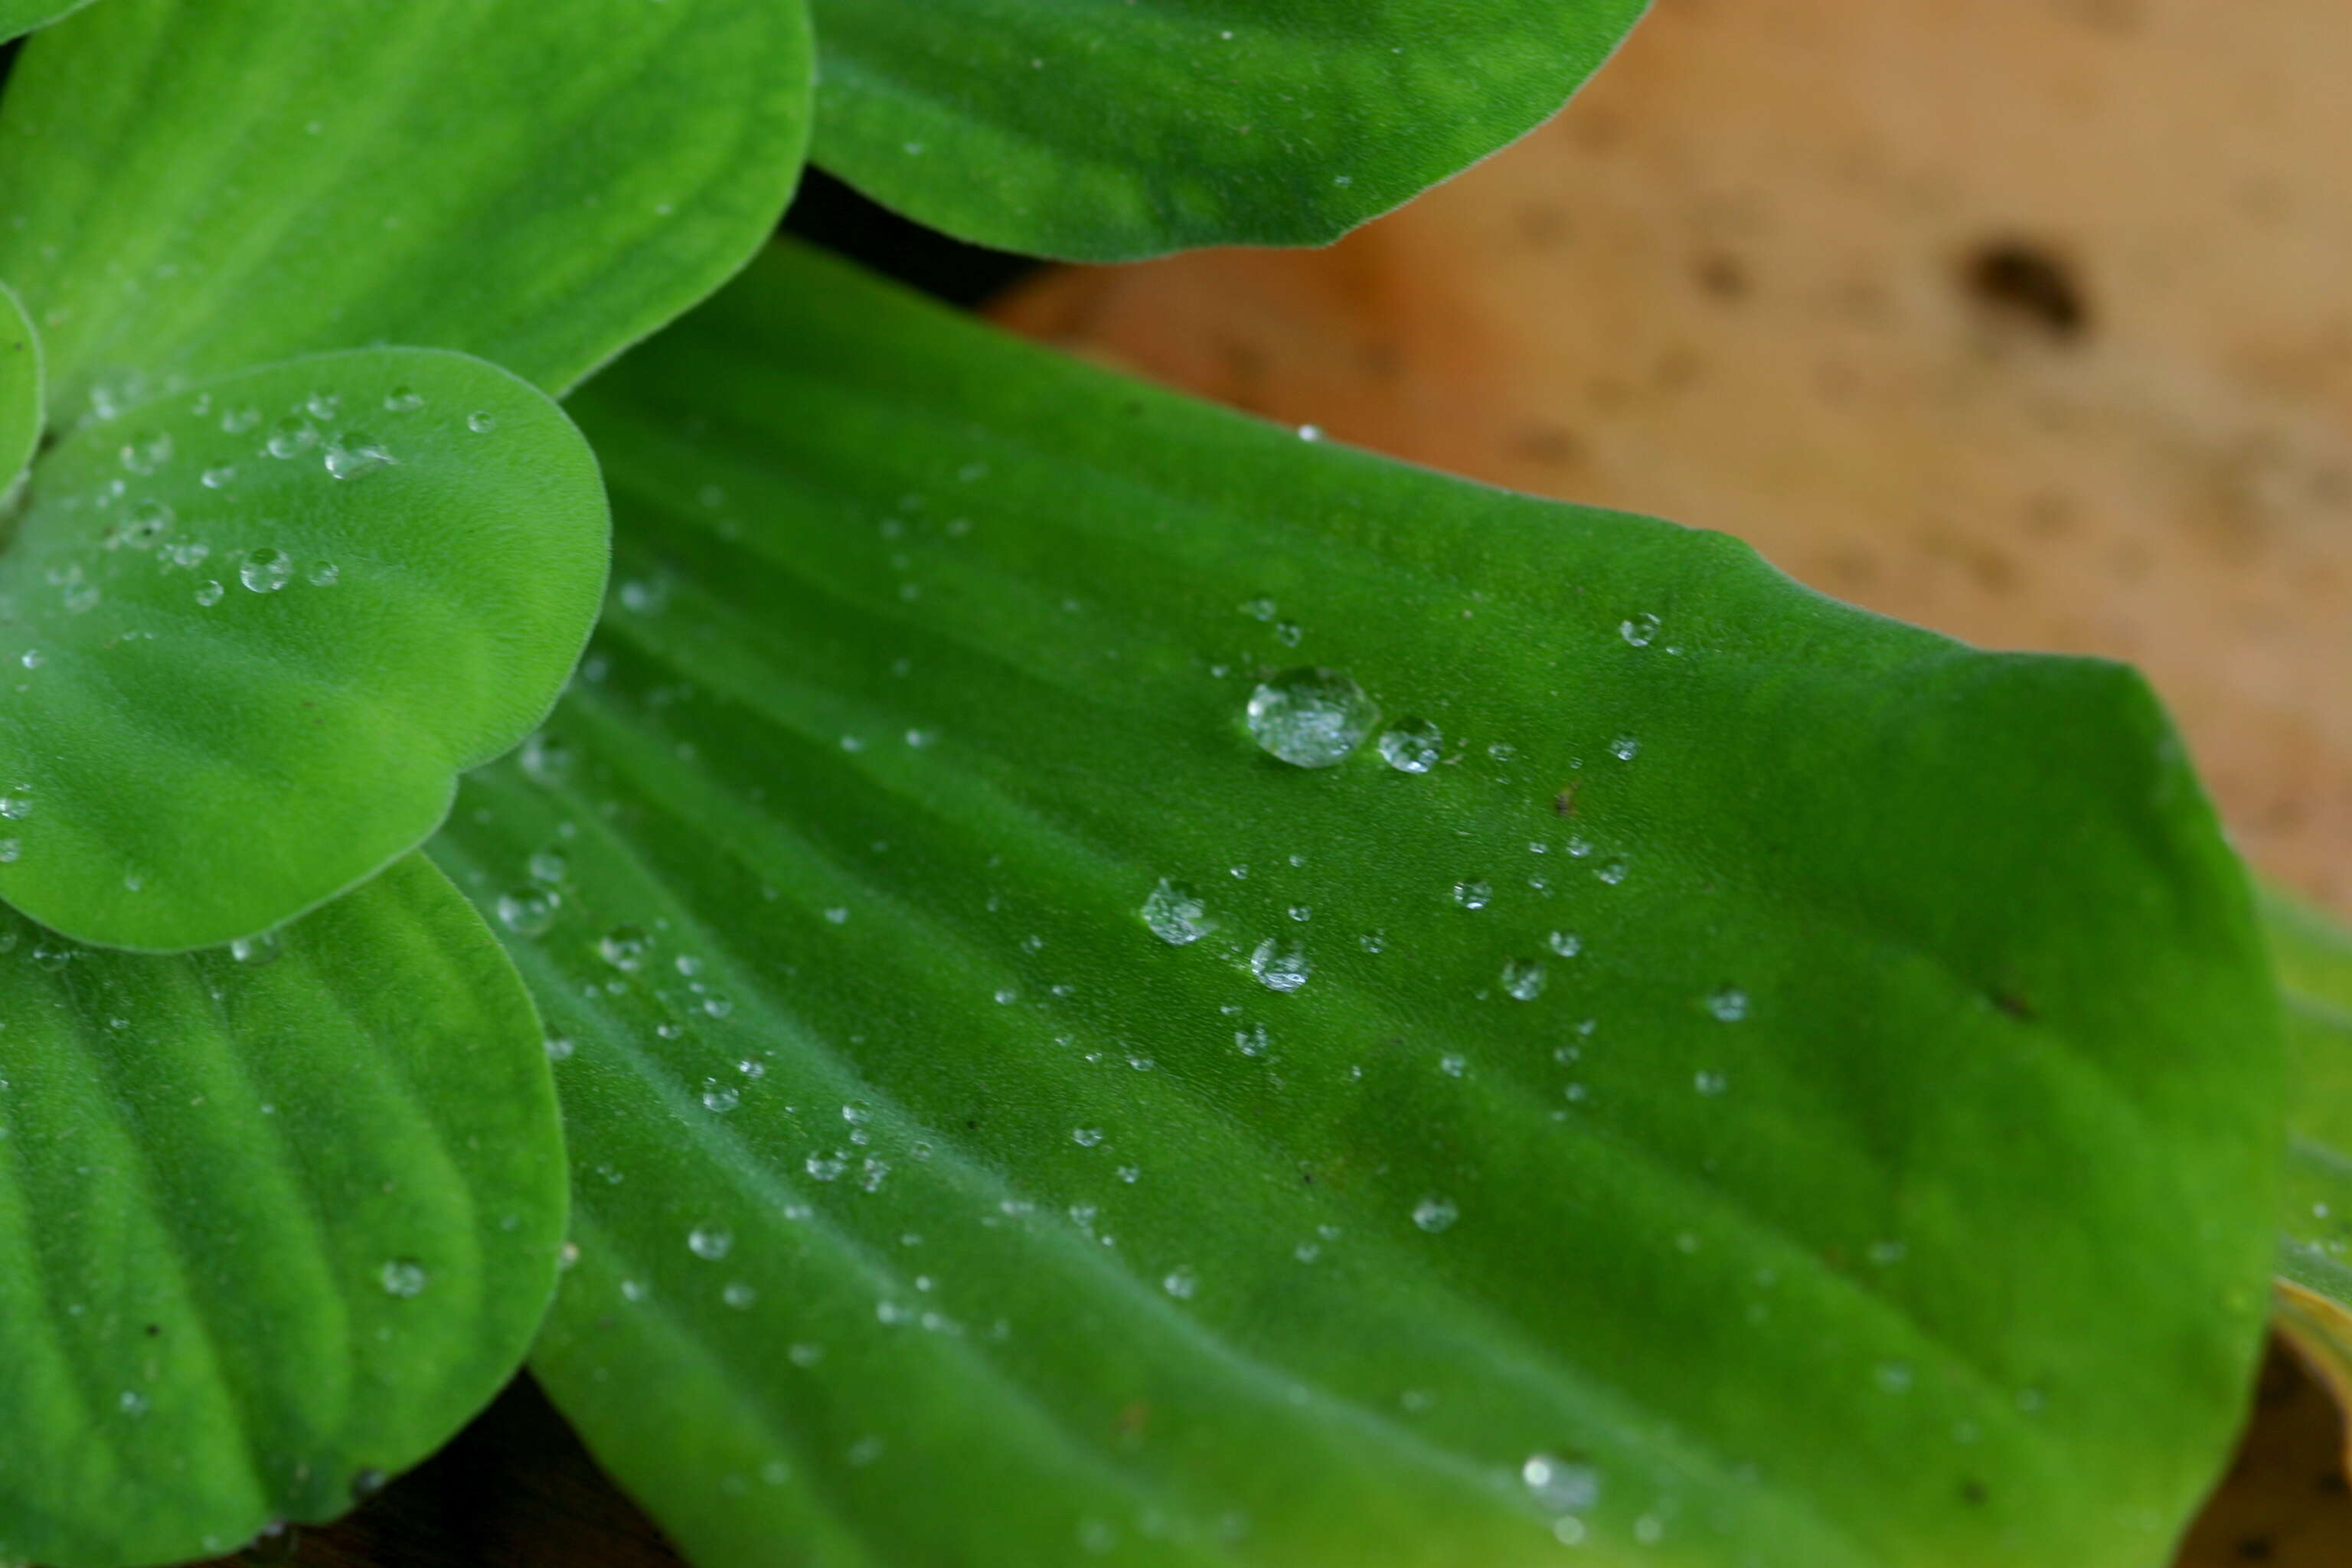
[[625, 946], [1280, 965], [257, 950], [1176, 914], [209, 592], [266, 570], [1435, 1213], [1641, 631], [1412, 745], [529, 911], [1473, 895], [1311, 718], [709, 1242], [405, 1278], [1523, 979], [546, 758], [354, 453], [290, 436]]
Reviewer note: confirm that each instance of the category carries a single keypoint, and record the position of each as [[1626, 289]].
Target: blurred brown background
[[2028, 320]]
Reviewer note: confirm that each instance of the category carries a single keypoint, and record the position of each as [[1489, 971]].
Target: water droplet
[[209, 592], [559, 1048], [237, 421], [323, 404], [1435, 1214], [290, 438], [33, 658], [354, 453], [1523, 979], [1473, 895], [529, 911], [625, 947], [404, 400], [709, 1242], [1613, 873], [719, 1096], [9, 850], [257, 950], [1566, 943], [738, 1295], [1560, 1487], [132, 1402], [1176, 914], [1310, 717], [405, 1278], [1279, 965], [549, 865], [1087, 1137], [185, 552], [147, 524], [481, 422], [266, 570], [1894, 1376], [1181, 1284], [1730, 1004], [218, 479], [1710, 1083], [1641, 631], [146, 452], [1624, 748], [1412, 745], [1454, 1064], [323, 575], [1373, 941], [547, 758]]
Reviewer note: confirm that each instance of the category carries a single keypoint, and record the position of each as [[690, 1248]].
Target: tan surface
[[1737, 284]]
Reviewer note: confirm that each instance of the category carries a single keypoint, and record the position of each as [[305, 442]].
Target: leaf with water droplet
[[249, 751], [1961, 891], [425, 180], [307, 1209]]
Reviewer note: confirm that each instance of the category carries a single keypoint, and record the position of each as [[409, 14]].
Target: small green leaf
[[252, 632], [1694, 1076], [2313, 955], [20, 17], [20, 393], [270, 1227], [192, 189], [1107, 131]]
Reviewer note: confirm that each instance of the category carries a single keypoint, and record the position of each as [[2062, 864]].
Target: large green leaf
[[194, 188], [1103, 130], [272, 1225], [20, 392], [1712, 1076], [254, 630]]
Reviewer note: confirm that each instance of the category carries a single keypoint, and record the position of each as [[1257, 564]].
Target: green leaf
[[20, 393], [1731, 1092], [2314, 956], [241, 682], [20, 17], [195, 188], [269, 1229], [1105, 131]]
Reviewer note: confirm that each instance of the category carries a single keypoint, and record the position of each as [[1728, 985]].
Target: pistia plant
[[1121, 983]]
